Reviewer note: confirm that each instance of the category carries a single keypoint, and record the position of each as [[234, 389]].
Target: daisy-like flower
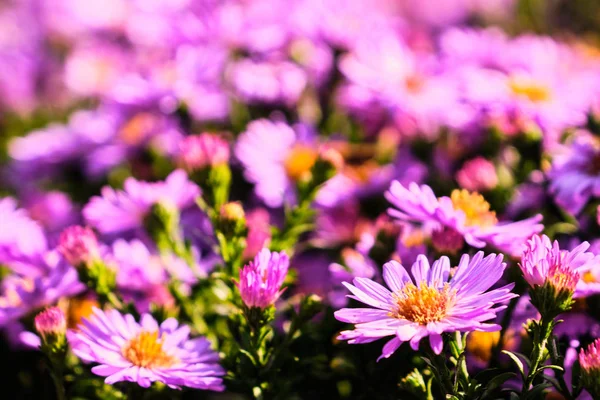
[[146, 352], [543, 262], [123, 210], [21, 238], [464, 212], [428, 304], [20, 295], [261, 280], [274, 157], [575, 175]]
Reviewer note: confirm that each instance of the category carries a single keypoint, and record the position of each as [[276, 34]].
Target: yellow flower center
[[423, 304], [476, 209], [588, 277], [561, 277], [78, 309], [480, 344], [299, 161], [529, 88], [145, 350]]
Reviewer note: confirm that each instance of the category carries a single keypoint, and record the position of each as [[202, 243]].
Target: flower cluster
[[242, 196]]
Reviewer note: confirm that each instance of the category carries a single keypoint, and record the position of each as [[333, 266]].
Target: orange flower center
[[561, 277], [135, 130], [588, 277], [299, 161], [78, 309], [476, 209], [145, 350], [529, 88], [480, 344], [423, 304]]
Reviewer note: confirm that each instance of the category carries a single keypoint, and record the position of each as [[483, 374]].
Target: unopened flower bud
[[232, 219], [202, 151], [51, 325], [589, 359], [261, 280], [78, 245], [477, 174]]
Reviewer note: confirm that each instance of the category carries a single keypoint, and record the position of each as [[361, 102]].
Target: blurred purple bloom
[[575, 175], [117, 211], [273, 156], [267, 82], [467, 213]]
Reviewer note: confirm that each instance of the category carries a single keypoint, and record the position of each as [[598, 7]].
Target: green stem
[[542, 333], [557, 359], [57, 379]]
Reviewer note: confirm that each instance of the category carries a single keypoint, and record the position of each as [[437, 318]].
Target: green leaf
[[542, 368], [516, 360], [496, 382], [536, 392]]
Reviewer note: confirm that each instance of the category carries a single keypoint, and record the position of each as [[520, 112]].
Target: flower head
[[575, 175], [78, 245], [555, 275], [427, 304], [117, 211], [477, 174], [204, 150], [544, 262], [589, 359], [274, 158], [465, 212], [146, 352], [261, 280], [51, 321]]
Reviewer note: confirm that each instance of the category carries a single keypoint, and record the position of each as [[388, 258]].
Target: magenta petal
[[436, 342]]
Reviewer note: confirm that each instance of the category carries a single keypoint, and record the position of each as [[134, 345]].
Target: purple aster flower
[[142, 274], [146, 352], [125, 210], [261, 280], [22, 294], [428, 304], [267, 82], [576, 270], [466, 213], [356, 265], [274, 157], [575, 175], [21, 238]]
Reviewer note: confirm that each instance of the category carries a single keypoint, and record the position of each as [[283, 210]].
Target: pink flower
[[477, 174], [78, 245], [201, 151], [261, 280], [51, 321]]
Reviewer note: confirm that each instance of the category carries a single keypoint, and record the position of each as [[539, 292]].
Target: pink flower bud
[[78, 245], [51, 321], [261, 280], [477, 174], [205, 150]]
